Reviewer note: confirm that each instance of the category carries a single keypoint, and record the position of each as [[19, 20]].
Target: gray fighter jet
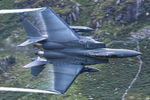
[[62, 47]]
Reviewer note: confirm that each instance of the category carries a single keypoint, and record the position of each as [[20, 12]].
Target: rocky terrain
[[118, 23]]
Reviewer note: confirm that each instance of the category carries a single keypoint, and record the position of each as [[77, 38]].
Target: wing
[[48, 23], [62, 76]]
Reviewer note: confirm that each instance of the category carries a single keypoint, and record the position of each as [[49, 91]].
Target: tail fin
[[35, 71], [33, 34], [36, 66], [30, 29]]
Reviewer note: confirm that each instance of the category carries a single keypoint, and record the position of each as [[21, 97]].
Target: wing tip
[[12, 11], [13, 89]]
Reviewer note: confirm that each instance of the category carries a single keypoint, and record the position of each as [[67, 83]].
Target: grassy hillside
[[115, 24]]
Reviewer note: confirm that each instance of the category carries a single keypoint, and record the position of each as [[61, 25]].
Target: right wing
[[62, 76]]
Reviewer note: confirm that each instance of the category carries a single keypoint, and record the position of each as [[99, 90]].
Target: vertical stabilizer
[[32, 33], [30, 29]]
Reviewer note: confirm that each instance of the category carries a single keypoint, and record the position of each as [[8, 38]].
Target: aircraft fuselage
[[86, 52]]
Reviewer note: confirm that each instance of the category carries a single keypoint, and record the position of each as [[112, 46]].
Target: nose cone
[[128, 53]]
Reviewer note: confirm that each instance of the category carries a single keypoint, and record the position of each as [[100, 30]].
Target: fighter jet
[[63, 47]]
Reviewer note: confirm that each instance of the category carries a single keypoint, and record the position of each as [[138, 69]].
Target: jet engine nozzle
[[39, 53], [39, 45]]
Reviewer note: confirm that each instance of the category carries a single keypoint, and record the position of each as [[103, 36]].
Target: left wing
[[47, 22], [62, 76]]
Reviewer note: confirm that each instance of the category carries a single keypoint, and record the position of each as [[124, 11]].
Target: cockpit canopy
[[91, 43]]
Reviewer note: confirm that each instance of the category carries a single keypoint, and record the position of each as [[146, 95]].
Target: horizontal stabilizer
[[32, 40], [11, 89], [38, 62]]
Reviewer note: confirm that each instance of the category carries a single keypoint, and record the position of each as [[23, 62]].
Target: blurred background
[[118, 23]]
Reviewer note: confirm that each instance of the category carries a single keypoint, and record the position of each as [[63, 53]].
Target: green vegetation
[[110, 82]]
